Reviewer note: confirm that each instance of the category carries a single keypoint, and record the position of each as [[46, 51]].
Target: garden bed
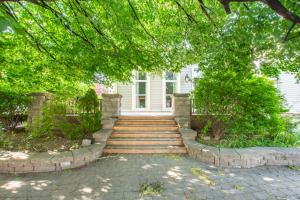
[[26, 162], [21, 142]]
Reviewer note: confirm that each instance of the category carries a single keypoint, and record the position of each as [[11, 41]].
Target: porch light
[[187, 79]]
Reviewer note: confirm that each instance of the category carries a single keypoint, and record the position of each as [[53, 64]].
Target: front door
[[141, 92], [168, 89]]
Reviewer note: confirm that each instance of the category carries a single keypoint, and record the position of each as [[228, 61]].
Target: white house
[[152, 93]]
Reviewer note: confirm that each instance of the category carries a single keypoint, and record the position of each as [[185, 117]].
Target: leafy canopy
[[65, 45]]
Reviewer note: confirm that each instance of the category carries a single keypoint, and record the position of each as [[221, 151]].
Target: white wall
[[184, 86], [287, 84], [155, 93], [125, 91], [289, 87]]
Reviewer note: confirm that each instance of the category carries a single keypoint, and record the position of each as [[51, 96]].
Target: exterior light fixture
[[187, 79]]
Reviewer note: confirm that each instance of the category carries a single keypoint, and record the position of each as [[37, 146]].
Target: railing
[[193, 108], [74, 109]]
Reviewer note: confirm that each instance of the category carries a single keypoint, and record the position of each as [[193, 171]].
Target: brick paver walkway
[[119, 177]]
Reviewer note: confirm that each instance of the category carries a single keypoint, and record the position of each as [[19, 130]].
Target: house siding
[[287, 85], [155, 93], [126, 92], [184, 86]]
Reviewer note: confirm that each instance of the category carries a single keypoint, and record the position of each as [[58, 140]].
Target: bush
[[243, 107], [54, 118], [13, 108], [53, 114]]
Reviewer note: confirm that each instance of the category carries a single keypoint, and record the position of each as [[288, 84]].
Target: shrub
[[90, 117], [247, 106], [13, 108], [53, 113], [54, 118]]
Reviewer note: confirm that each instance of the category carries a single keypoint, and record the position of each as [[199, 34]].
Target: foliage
[[5, 143], [13, 107], [152, 189], [246, 105], [91, 116], [104, 41], [53, 113], [250, 108], [55, 119], [295, 168], [21, 142]]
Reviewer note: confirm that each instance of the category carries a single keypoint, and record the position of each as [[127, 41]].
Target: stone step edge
[[144, 151], [145, 147]]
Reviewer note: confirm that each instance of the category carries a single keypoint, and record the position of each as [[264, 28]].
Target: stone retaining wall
[[18, 162], [239, 158]]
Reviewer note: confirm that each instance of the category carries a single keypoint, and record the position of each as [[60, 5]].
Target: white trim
[[178, 82], [133, 93]]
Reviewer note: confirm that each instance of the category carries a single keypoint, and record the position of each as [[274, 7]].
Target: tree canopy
[[59, 45]]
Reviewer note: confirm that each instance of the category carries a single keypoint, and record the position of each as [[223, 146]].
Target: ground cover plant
[[151, 189]]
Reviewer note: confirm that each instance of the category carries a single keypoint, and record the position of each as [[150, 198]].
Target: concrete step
[[146, 117], [144, 141], [144, 149], [146, 135], [146, 128], [146, 122]]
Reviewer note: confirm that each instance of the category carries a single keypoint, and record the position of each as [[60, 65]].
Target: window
[[170, 85], [141, 82]]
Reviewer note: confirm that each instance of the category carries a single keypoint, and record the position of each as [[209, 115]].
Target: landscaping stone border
[[239, 158], [18, 162]]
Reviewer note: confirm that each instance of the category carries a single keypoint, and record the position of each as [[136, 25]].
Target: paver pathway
[[119, 177]]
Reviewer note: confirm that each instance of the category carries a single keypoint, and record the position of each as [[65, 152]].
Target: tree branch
[[190, 17], [138, 19], [288, 33], [204, 10], [275, 5]]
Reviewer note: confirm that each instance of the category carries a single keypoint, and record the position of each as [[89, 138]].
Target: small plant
[[5, 143], [295, 168], [173, 157], [152, 189], [238, 187], [205, 129], [202, 176]]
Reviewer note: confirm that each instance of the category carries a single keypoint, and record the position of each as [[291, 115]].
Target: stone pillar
[[35, 110], [111, 109], [182, 109]]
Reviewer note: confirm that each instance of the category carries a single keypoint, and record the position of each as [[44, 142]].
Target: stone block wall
[[37, 102], [19, 162], [241, 158], [111, 108], [182, 109]]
